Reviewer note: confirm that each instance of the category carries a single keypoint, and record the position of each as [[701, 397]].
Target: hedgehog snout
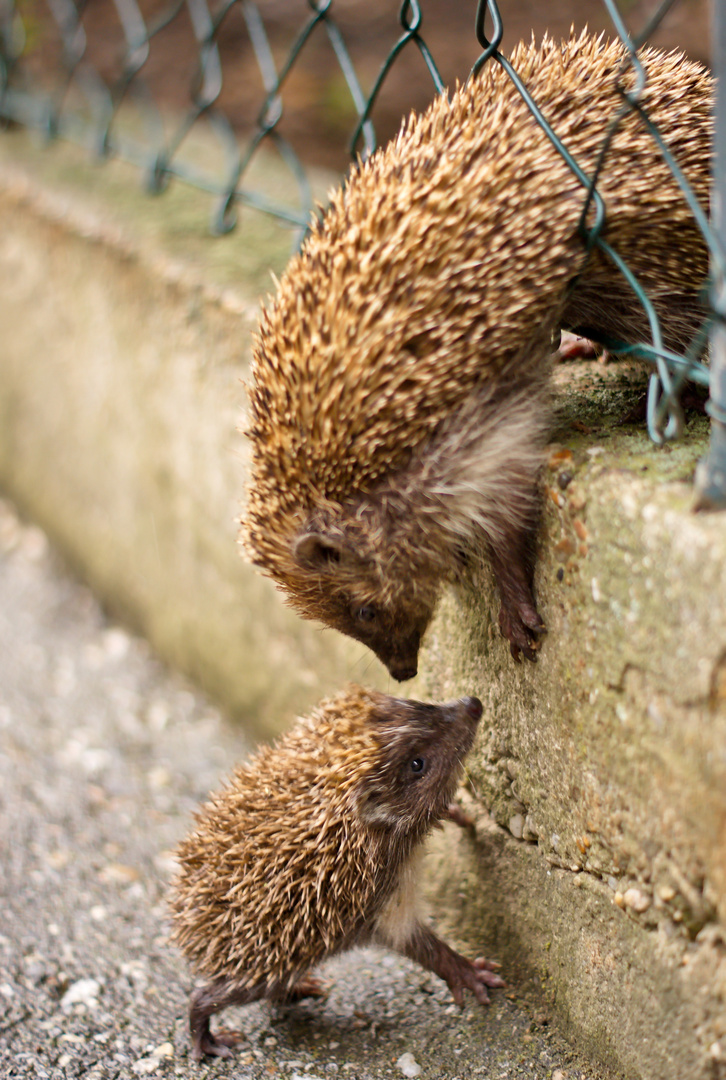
[[474, 707], [404, 671]]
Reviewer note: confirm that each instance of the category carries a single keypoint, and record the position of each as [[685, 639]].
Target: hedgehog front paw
[[521, 624], [474, 975]]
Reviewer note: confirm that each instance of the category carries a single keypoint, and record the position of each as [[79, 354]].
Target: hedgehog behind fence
[[401, 396]]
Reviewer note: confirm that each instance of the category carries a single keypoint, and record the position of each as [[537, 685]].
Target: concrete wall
[[596, 869], [599, 783], [125, 339]]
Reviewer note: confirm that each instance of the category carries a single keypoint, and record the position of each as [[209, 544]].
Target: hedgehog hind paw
[[308, 986], [478, 976], [216, 1044]]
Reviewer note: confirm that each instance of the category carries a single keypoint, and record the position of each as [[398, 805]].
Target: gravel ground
[[103, 755]]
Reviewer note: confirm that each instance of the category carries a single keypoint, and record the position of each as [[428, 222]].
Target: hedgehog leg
[[428, 950], [203, 1004], [307, 986], [513, 559]]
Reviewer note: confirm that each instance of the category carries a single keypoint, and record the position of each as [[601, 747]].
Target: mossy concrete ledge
[[126, 332], [597, 865]]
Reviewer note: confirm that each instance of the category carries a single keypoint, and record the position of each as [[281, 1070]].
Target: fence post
[[711, 472]]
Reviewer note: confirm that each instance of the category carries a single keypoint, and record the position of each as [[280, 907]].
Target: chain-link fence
[[75, 95]]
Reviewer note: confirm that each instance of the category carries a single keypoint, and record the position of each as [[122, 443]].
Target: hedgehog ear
[[318, 551], [374, 807]]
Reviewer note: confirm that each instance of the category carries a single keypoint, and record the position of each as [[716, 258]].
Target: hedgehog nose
[[473, 706], [403, 672]]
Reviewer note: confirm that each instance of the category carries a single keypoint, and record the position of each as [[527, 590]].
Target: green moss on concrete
[[603, 763]]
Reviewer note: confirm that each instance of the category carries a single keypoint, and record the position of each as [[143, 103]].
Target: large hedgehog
[[312, 848], [401, 395]]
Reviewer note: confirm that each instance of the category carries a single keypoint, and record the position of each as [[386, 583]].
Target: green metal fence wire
[[55, 111]]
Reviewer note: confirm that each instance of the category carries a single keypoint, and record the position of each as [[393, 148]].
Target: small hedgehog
[[401, 397], [312, 848]]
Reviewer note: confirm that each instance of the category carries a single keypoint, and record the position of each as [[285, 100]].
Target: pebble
[[118, 874], [636, 900], [408, 1065], [145, 1066], [516, 827], [83, 992]]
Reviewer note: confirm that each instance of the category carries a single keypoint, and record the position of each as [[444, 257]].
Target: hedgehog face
[[422, 752], [387, 609]]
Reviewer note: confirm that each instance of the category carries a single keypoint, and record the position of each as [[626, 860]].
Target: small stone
[[408, 1065], [164, 1050], [33, 543], [563, 549], [83, 992], [145, 1066], [116, 643], [516, 828], [596, 594], [576, 498], [117, 874], [619, 899], [666, 893], [636, 900], [559, 458], [158, 715], [558, 1074], [159, 777], [57, 860]]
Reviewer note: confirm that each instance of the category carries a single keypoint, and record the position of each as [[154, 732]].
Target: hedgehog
[[401, 395], [312, 848]]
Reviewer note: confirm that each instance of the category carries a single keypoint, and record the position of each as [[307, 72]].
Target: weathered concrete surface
[[125, 337], [104, 755], [603, 864]]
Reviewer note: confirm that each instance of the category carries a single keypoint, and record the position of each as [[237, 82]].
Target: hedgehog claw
[[519, 627]]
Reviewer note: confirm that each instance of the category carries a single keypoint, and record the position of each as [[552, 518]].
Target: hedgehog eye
[[418, 765], [366, 614]]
